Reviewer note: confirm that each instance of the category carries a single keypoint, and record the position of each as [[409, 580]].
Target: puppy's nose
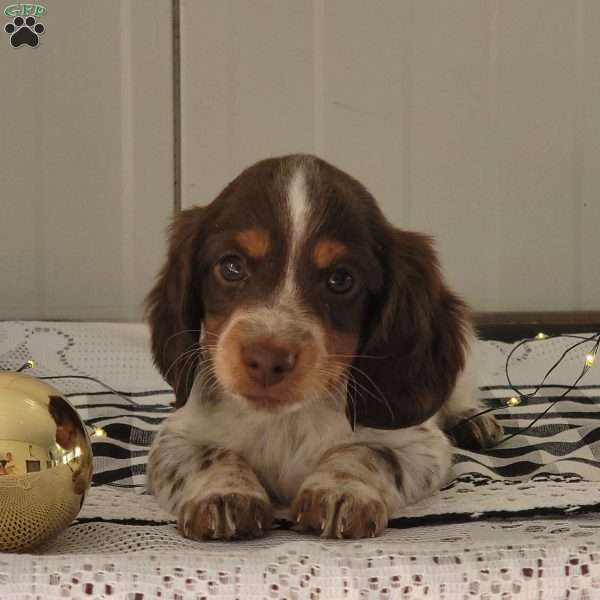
[[266, 363]]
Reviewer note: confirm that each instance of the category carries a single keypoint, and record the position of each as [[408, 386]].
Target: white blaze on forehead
[[299, 214], [297, 205]]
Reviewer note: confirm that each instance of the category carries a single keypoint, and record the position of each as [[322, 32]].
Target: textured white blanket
[[515, 522]]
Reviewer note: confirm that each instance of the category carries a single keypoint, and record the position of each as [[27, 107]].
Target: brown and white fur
[[317, 357]]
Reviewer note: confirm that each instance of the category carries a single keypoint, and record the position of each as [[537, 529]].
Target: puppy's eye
[[340, 281], [231, 268]]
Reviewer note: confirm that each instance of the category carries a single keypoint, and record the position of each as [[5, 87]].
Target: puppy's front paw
[[479, 432], [225, 517], [353, 511]]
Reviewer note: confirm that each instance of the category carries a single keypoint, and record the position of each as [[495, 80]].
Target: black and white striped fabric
[[554, 467]]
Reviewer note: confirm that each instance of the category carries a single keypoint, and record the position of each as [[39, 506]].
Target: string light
[[521, 396], [28, 365], [513, 401]]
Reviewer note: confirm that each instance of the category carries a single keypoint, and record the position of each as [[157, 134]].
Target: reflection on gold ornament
[[45, 462]]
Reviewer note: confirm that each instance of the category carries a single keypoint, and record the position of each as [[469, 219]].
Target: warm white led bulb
[[99, 432], [541, 336], [514, 401], [589, 359]]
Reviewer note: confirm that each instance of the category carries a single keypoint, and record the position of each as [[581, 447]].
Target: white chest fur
[[282, 449]]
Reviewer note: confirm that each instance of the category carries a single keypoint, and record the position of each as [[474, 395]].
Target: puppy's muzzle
[[267, 363]]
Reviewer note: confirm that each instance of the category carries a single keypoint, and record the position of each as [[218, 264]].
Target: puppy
[[316, 356]]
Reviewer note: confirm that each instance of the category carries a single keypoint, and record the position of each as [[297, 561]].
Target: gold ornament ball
[[45, 462]]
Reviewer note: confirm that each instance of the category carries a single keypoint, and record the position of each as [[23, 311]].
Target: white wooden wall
[[475, 120], [85, 160]]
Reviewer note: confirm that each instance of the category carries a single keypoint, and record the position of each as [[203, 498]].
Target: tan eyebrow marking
[[326, 251], [255, 242]]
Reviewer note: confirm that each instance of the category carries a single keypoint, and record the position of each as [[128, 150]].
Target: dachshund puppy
[[316, 354]]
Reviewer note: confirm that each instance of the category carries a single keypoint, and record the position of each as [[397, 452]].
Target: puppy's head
[[292, 287]]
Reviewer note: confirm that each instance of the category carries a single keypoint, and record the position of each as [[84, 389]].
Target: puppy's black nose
[[266, 363]]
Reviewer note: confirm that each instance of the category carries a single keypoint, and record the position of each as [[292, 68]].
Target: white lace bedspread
[[516, 522]]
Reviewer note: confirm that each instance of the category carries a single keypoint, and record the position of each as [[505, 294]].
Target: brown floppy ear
[[415, 340], [174, 306]]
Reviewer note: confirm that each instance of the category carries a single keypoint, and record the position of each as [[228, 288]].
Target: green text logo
[[25, 10]]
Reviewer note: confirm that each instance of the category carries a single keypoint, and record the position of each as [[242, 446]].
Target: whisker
[[336, 374], [209, 346], [191, 372], [183, 332], [325, 389], [353, 398], [380, 396], [207, 332], [195, 353], [349, 395], [362, 390], [181, 357], [211, 381], [203, 370], [358, 356], [214, 386]]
